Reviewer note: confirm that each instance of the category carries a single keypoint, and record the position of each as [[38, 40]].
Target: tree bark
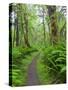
[[17, 33], [26, 30], [14, 37], [44, 25], [17, 29], [53, 26]]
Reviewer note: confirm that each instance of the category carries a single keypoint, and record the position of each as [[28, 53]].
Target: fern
[[55, 60]]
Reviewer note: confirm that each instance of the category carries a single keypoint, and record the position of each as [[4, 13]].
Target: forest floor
[[32, 72]]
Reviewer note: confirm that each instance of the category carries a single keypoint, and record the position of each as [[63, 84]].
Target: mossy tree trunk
[[53, 25]]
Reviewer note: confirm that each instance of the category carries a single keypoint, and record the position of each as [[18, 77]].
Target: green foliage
[[60, 21], [19, 64], [55, 60], [15, 53]]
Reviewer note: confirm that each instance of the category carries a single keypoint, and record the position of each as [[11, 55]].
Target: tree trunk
[[44, 25], [17, 33], [14, 37], [26, 30], [17, 28], [53, 26], [63, 32]]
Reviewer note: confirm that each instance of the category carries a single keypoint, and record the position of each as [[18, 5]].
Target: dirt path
[[32, 72]]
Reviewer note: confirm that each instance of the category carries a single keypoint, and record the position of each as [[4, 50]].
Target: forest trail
[[32, 72]]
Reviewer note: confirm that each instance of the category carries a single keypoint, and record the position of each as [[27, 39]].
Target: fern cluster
[[18, 70], [55, 60]]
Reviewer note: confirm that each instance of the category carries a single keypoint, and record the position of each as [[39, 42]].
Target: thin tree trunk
[[14, 37], [44, 25], [62, 31], [17, 29], [22, 26], [17, 33]]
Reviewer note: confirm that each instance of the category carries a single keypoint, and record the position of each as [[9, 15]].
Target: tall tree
[[25, 15], [44, 23], [17, 25], [53, 26], [26, 30]]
